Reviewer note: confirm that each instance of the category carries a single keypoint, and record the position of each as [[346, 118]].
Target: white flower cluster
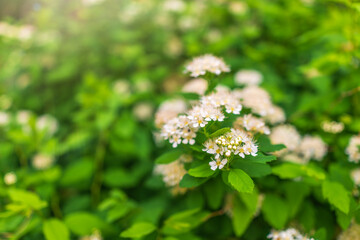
[[355, 175], [277, 115], [353, 149], [235, 142], [312, 148], [4, 118], [143, 111], [47, 123], [288, 234], [169, 110], [183, 129], [10, 178], [197, 85], [287, 135], [206, 63], [299, 150], [332, 127], [252, 124], [24, 32], [248, 77], [96, 235], [42, 161], [259, 101], [43, 123], [173, 172]]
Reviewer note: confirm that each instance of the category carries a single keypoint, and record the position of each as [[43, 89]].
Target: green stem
[[55, 206], [99, 162]]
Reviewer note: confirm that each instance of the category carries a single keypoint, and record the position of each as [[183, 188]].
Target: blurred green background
[[80, 82]]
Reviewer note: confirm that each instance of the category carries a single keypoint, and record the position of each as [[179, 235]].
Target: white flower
[[251, 123], [21, 33], [47, 123], [23, 116], [206, 63], [257, 99], [172, 172], [217, 164], [96, 235], [42, 161], [91, 2], [353, 149], [10, 178], [355, 175], [197, 85], [122, 87], [312, 148], [238, 7], [276, 115], [174, 5], [143, 85], [4, 118], [183, 128], [210, 146], [195, 115], [143, 111], [248, 77], [332, 127], [235, 142], [288, 234], [169, 110], [287, 135]]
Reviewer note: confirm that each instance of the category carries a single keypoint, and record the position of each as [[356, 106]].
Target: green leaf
[[307, 215], [260, 158], [203, 170], [138, 230], [275, 211], [119, 211], [83, 223], [189, 181], [253, 169], [77, 172], [214, 191], [320, 234], [55, 229], [295, 193], [169, 157], [190, 96], [241, 181], [119, 177], [288, 170], [184, 221], [244, 209], [336, 195], [266, 146], [27, 199], [219, 132]]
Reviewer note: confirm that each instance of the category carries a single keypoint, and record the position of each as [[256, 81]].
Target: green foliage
[[138, 230], [81, 81], [275, 211], [183, 222], [55, 230], [241, 181], [337, 195], [169, 157]]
